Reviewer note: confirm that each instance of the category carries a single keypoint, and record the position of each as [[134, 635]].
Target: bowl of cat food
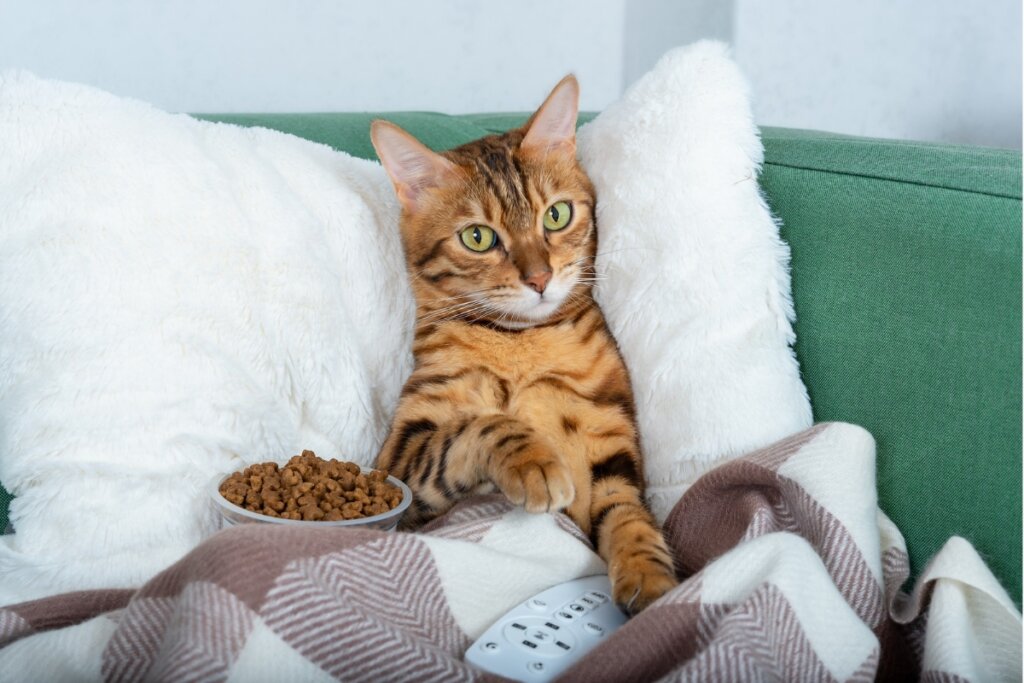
[[310, 491]]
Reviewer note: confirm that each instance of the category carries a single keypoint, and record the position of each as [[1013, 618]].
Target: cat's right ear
[[412, 166]]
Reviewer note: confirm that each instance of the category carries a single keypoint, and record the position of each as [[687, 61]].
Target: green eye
[[478, 237], [558, 216]]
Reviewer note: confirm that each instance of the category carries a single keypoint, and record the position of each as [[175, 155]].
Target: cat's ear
[[553, 126], [412, 166]]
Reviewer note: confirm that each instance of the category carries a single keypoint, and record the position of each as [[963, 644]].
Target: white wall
[[654, 26], [923, 69], [322, 55]]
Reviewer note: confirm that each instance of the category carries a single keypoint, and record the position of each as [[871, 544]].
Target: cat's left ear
[[553, 126]]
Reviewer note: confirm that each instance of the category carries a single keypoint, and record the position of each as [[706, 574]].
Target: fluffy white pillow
[[179, 298], [696, 284]]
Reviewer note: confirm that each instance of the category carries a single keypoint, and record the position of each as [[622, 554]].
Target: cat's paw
[[537, 479], [638, 580]]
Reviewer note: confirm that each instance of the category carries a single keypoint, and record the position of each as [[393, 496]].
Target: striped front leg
[[442, 463], [625, 534]]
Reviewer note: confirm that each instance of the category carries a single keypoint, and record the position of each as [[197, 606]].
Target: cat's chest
[[523, 357]]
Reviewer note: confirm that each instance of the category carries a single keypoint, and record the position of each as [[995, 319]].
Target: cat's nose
[[539, 280]]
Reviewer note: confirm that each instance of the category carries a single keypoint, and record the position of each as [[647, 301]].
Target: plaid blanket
[[792, 573]]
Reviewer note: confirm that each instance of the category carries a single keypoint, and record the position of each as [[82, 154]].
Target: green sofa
[[906, 262]]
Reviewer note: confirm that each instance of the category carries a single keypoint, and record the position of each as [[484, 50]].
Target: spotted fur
[[512, 391]]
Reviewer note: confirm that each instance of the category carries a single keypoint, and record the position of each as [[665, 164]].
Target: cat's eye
[[478, 237], [557, 216]]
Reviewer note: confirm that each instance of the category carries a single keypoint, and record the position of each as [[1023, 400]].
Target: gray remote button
[[593, 629], [578, 608], [540, 636], [491, 647], [535, 667], [565, 616], [538, 605]]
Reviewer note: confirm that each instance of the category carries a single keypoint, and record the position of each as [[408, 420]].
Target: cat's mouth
[[526, 307]]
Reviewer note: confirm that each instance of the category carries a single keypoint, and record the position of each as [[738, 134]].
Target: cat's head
[[502, 228]]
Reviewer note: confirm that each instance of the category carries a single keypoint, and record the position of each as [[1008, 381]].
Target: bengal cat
[[518, 384]]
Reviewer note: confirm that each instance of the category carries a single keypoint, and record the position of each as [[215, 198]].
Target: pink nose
[[538, 281]]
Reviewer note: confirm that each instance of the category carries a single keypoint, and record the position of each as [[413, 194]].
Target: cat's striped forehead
[[507, 189]]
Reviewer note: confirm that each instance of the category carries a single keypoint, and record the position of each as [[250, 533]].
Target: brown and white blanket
[[792, 573]]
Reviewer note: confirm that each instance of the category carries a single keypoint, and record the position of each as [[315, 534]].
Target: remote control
[[539, 639]]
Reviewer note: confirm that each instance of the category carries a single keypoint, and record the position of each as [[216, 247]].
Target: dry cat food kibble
[[311, 489]]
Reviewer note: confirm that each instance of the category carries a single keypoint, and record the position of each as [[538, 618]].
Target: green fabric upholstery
[[5, 503], [907, 282]]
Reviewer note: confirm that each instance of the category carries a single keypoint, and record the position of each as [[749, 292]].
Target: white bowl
[[231, 514]]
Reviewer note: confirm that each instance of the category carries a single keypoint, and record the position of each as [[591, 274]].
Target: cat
[[518, 385]]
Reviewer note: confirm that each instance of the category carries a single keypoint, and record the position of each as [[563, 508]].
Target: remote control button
[[600, 597], [565, 616], [536, 667], [538, 605], [491, 648], [540, 636], [532, 629], [578, 608], [589, 601], [564, 646], [553, 627], [530, 644], [593, 629]]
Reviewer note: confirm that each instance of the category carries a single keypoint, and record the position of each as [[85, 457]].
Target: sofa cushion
[[907, 283]]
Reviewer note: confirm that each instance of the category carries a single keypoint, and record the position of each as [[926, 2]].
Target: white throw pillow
[[177, 298], [180, 298], [696, 286]]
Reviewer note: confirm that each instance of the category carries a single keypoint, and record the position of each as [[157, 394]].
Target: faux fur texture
[[697, 287], [180, 298], [177, 298]]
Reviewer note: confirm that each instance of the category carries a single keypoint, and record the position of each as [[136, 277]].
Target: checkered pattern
[[792, 573]]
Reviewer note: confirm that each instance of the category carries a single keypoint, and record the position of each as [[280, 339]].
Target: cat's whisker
[[449, 314], [462, 310], [449, 311], [464, 295], [460, 303]]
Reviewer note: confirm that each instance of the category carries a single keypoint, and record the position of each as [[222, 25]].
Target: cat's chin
[[513, 324], [522, 317], [544, 310]]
